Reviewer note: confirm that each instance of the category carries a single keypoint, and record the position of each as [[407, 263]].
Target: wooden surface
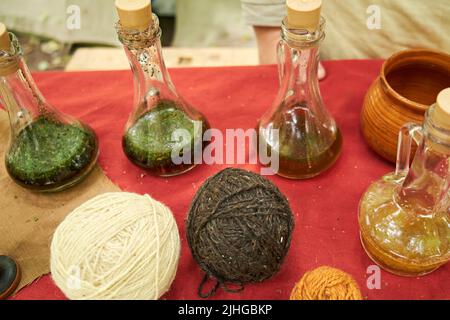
[[88, 59]]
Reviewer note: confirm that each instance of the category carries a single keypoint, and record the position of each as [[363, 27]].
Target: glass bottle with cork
[[48, 150], [159, 111], [404, 218], [298, 127]]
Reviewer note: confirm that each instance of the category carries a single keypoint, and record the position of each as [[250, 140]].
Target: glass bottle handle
[[408, 133]]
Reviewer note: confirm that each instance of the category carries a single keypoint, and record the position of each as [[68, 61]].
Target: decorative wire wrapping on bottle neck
[[135, 39], [303, 38], [9, 59], [239, 230], [143, 44]]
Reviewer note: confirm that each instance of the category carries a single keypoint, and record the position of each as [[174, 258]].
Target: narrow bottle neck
[[437, 136], [299, 60], [144, 52], [20, 96], [298, 56], [147, 61], [16, 83], [302, 39], [427, 183], [301, 66]]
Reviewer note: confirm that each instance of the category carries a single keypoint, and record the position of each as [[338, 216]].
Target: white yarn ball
[[116, 246]]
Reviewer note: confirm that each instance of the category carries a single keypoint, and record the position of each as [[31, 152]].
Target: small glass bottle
[[404, 218], [307, 141], [48, 150], [158, 109]]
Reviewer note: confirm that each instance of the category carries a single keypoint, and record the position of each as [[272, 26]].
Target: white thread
[[126, 246]]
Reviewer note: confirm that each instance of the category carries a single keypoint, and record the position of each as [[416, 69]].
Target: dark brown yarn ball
[[239, 227]]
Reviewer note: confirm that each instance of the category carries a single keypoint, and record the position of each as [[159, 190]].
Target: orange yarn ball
[[326, 283]]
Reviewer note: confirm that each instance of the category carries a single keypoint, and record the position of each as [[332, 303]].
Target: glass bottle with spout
[[404, 218], [298, 127], [48, 150], [159, 111]]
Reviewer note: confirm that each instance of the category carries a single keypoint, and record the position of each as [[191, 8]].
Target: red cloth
[[325, 208]]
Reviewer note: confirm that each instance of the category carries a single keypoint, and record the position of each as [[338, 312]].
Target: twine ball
[[116, 246], [326, 283], [239, 228]]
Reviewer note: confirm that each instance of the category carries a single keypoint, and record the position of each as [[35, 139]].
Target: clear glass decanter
[[404, 218], [308, 140], [48, 150], [158, 109]]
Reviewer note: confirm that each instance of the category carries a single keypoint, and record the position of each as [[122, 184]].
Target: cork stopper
[[134, 14], [5, 45], [441, 118], [304, 14], [5, 42], [442, 111]]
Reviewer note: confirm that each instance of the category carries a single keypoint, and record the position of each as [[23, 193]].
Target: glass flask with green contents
[[163, 132], [48, 151], [298, 129], [404, 218]]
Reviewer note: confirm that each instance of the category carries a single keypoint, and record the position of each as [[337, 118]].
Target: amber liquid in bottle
[[303, 153], [398, 237], [404, 217], [298, 130], [310, 166]]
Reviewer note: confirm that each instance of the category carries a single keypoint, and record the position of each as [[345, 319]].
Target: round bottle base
[[396, 265], [305, 177], [62, 185], [51, 156], [162, 171], [177, 173], [75, 181], [310, 175], [308, 168]]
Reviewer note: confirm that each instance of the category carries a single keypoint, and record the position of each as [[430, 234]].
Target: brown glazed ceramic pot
[[408, 84]]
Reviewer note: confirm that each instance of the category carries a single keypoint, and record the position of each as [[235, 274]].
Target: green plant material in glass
[[148, 143], [49, 153]]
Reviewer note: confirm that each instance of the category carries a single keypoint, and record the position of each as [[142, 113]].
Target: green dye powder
[[148, 143], [47, 153]]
